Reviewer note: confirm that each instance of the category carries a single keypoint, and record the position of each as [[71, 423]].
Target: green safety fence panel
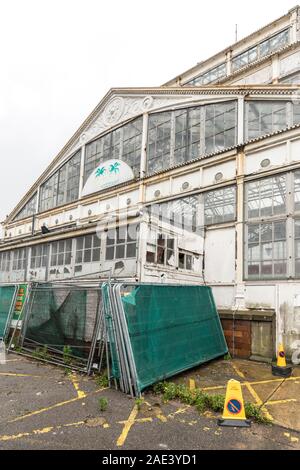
[[7, 294], [57, 318], [171, 329]]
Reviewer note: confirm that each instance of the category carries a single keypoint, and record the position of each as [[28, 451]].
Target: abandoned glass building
[[194, 181]]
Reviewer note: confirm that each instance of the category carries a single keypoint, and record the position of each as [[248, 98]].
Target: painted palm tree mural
[[114, 168], [108, 173], [100, 171]]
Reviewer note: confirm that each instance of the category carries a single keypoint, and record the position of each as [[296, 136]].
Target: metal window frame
[[257, 47], [64, 252], [173, 236], [223, 188], [126, 242], [269, 39], [54, 192], [199, 79], [95, 159], [17, 259], [289, 216], [202, 130], [28, 209], [248, 102], [98, 248]]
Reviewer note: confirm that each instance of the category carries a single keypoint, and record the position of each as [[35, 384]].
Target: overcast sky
[[59, 57]]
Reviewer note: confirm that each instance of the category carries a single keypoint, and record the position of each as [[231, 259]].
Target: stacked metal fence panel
[[159, 330], [143, 333], [7, 304], [60, 324]]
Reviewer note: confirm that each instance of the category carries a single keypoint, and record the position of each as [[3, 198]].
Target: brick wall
[[250, 333], [238, 337]]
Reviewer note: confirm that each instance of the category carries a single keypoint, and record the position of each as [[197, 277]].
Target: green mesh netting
[[171, 329], [62, 317], [6, 298]]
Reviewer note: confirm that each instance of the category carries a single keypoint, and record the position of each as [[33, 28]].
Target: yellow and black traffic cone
[[234, 410], [281, 369]]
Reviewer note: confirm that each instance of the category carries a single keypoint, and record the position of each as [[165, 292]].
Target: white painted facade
[[199, 152]]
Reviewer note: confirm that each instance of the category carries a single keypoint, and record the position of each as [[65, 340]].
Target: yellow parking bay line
[[37, 432], [253, 392], [158, 413], [132, 419], [51, 407], [279, 402], [127, 426], [13, 360], [75, 382], [192, 384], [257, 382], [10, 374], [179, 411]]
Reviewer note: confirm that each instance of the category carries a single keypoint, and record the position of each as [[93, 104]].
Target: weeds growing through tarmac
[[227, 357], [103, 402], [67, 351], [41, 353], [203, 401], [101, 381], [68, 371], [139, 402]]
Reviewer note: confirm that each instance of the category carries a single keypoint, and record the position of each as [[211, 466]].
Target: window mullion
[[289, 113], [172, 138], [202, 130], [290, 244]]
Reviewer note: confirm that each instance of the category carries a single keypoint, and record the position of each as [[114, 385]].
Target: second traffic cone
[[234, 410], [281, 369]]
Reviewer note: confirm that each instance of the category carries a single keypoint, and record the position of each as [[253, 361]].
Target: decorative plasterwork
[[120, 109]]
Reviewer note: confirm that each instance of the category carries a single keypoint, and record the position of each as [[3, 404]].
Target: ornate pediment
[[121, 108], [117, 108]]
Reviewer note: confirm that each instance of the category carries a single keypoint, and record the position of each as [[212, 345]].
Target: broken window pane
[[150, 254]]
